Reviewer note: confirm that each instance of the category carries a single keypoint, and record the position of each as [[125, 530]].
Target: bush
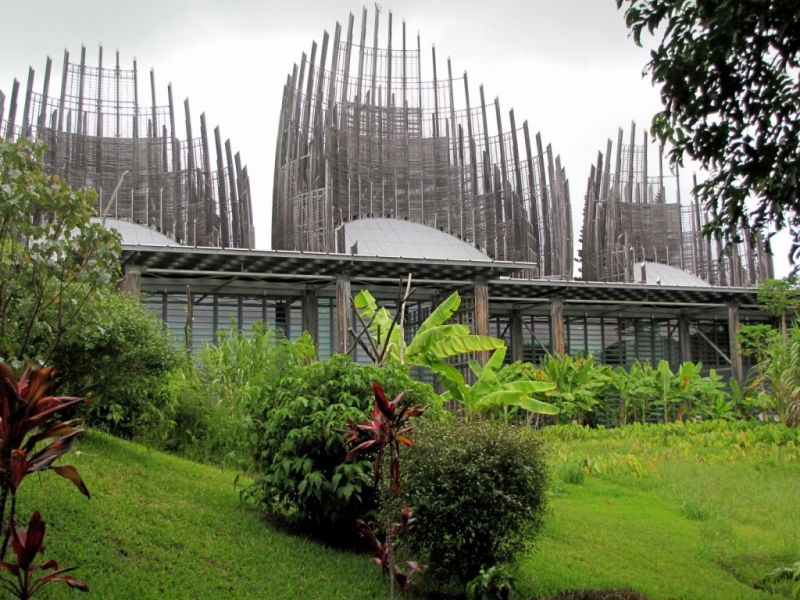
[[478, 491], [119, 362], [210, 397], [298, 450]]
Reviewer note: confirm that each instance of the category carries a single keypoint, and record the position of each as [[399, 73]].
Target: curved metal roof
[[396, 238], [658, 274], [137, 235]]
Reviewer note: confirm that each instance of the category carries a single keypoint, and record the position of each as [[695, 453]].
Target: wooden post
[[684, 339], [342, 311], [133, 280], [557, 325], [515, 326], [737, 370], [310, 313], [481, 290]]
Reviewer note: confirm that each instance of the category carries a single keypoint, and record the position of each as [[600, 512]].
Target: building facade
[[632, 217], [364, 134], [146, 168]]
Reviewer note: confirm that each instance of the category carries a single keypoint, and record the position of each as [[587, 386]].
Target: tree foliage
[[728, 71], [53, 259]]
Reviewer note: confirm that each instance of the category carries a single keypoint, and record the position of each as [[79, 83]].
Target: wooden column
[[515, 326], [557, 325], [310, 308], [482, 313], [685, 340], [737, 370], [342, 312], [133, 280]]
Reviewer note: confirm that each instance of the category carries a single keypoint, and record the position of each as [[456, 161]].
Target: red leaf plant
[[28, 419], [385, 551], [26, 544], [388, 428]]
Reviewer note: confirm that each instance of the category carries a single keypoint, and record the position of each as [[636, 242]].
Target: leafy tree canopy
[[728, 71], [53, 260]]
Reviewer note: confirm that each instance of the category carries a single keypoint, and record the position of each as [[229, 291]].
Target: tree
[[728, 71], [781, 297], [53, 259]]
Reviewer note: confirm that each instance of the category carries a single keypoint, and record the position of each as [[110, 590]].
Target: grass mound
[[158, 526]]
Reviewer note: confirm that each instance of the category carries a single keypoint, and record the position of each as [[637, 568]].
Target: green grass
[[158, 526], [700, 512]]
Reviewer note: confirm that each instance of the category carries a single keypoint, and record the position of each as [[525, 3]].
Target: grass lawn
[[700, 513], [158, 526], [690, 513]]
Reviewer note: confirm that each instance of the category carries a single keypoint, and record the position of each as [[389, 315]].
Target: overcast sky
[[567, 66]]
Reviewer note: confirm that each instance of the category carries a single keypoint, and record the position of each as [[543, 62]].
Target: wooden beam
[[515, 325], [309, 316], [133, 280], [342, 311], [557, 325], [737, 369], [684, 339], [481, 289]]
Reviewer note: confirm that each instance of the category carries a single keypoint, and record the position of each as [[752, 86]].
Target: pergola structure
[[101, 135], [364, 134], [206, 289]]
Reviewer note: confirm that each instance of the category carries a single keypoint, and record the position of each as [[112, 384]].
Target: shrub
[[119, 362], [479, 493], [211, 396], [298, 450]]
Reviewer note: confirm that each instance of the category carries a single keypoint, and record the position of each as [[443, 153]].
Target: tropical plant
[[28, 423], [778, 370], [53, 259], [479, 489], [386, 430], [496, 386], [633, 388], [494, 583], [210, 398], [701, 395], [434, 342], [26, 544], [297, 450], [781, 297], [665, 389], [580, 385], [786, 574]]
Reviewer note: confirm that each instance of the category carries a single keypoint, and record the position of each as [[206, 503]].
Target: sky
[[567, 66]]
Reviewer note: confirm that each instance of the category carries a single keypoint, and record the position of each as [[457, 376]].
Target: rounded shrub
[[119, 362], [478, 493], [300, 454]]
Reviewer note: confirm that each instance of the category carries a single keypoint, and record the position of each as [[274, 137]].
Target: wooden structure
[[97, 129], [632, 217], [363, 134]]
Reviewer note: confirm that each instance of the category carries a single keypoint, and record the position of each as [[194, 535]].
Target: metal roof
[[265, 263], [304, 267], [393, 237], [135, 234]]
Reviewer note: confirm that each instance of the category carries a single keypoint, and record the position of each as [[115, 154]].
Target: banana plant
[[666, 390], [434, 342], [632, 388], [492, 389], [579, 385]]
